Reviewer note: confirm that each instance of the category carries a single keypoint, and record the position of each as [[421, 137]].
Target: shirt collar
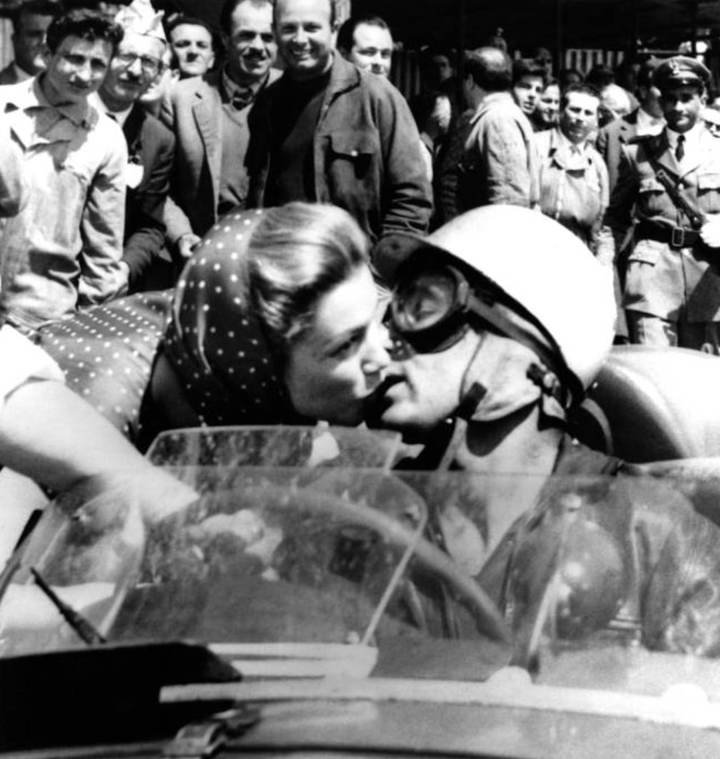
[[231, 87], [570, 147], [692, 136], [32, 96]]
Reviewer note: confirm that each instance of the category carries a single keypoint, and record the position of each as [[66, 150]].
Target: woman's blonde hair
[[297, 254]]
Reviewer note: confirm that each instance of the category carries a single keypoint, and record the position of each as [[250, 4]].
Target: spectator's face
[[338, 363], [527, 91], [372, 49], [579, 117], [76, 69], [442, 68], [422, 389], [251, 47], [28, 42], [305, 35], [136, 65], [193, 48], [682, 107], [549, 105]]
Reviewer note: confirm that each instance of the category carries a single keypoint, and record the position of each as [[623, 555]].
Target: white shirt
[[574, 151]]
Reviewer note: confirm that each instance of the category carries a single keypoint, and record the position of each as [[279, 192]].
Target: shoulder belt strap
[[674, 191]]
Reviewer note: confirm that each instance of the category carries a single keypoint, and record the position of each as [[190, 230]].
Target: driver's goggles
[[430, 310]]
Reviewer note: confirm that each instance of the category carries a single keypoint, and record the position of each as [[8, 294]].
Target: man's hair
[[528, 68], [333, 11], [490, 69], [179, 19], [565, 74], [600, 76], [583, 89], [88, 25], [229, 6], [346, 35], [645, 74], [34, 8]]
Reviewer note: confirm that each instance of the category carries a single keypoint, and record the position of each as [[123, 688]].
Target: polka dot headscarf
[[214, 341]]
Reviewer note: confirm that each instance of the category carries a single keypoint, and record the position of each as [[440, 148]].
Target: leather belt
[[675, 237]]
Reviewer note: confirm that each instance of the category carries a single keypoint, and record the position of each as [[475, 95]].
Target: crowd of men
[[138, 132]]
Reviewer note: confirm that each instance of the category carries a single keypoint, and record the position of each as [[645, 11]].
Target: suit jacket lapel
[[207, 113], [133, 129]]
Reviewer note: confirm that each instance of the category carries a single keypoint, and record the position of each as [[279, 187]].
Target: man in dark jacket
[[327, 132], [151, 146]]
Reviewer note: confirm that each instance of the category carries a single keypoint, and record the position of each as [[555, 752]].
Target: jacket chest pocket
[[353, 168], [652, 198], [708, 192], [353, 152]]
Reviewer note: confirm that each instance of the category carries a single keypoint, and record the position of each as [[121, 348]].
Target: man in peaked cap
[[135, 67], [668, 188]]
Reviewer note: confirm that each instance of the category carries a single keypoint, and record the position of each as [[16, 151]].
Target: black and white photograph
[[359, 379]]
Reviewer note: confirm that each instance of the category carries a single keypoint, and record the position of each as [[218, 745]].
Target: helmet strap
[[552, 413]]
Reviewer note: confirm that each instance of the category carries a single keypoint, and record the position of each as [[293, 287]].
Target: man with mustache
[[63, 250], [327, 132], [136, 65], [209, 116]]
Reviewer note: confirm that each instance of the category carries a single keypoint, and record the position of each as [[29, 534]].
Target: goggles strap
[[520, 330]]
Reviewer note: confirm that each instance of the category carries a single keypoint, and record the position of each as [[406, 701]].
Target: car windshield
[[306, 556]]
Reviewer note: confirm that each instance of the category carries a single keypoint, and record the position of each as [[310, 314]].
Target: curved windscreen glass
[[594, 582]]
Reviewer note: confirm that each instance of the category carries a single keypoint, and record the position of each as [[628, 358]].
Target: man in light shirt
[[573, 176], [63, 250], [668, 190]]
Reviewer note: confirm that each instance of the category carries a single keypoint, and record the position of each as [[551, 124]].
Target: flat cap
[[681, 70]]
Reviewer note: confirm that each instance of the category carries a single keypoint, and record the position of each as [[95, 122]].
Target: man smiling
[[63, 249], [136, 65], [327, 132], [209, 116]]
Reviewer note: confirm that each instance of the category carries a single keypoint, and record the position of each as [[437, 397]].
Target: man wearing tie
[[669, 188], [209, 118]]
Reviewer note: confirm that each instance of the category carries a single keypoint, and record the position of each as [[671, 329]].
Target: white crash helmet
[[545, 275]]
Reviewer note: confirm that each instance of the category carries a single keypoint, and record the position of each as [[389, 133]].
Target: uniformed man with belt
[[668, 190]]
